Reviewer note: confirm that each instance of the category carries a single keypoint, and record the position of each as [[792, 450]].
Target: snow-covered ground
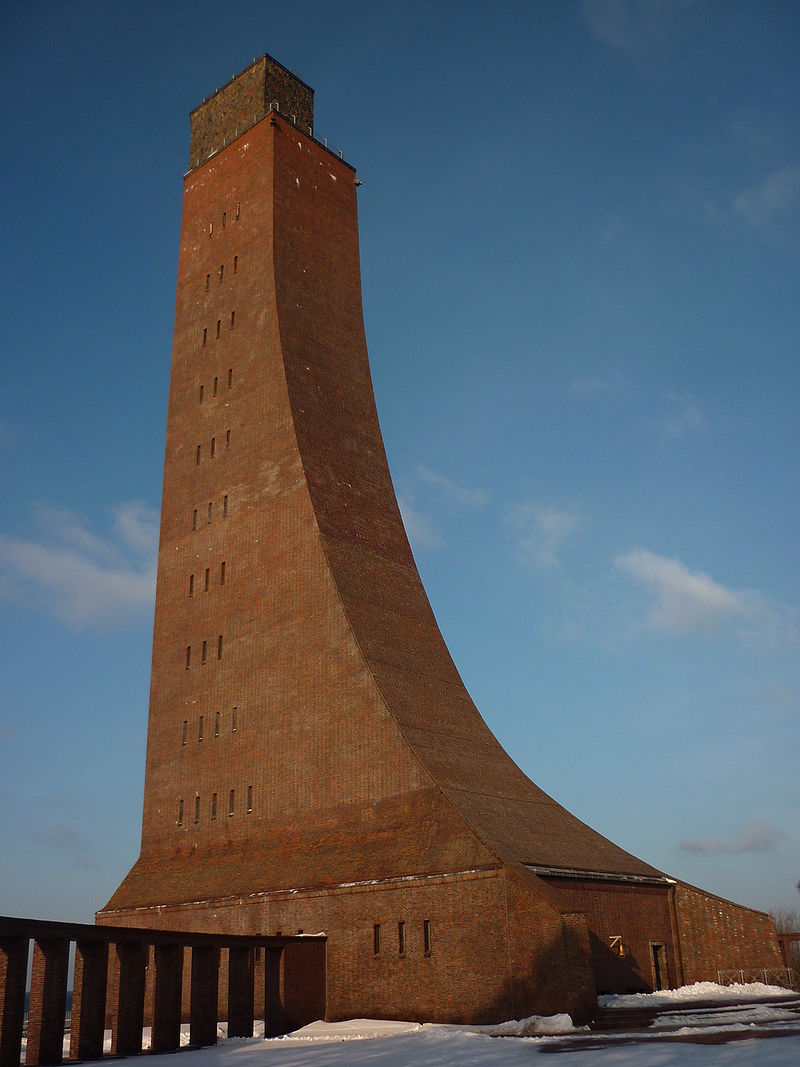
[[406, 1044]]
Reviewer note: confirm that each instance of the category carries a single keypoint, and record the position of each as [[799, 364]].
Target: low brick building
[[314, 762]]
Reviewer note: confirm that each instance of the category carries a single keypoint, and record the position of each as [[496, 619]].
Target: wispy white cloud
[[69, 842], [683, 600], [683, 416], [772, 198], [542, 531], [637, 28], [459, 494], [753, 837], [595, 383], [419, 529], [81, 577]]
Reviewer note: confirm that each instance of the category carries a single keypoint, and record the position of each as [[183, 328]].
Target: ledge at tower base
[[314, 762]]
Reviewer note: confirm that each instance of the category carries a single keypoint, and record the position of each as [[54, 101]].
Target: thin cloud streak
[[753, 837], [419, 530], [542, 531], [767, 201], [459, 494], [80, 577]]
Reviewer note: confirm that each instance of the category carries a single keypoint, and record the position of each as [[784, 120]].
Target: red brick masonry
[[314, 761]]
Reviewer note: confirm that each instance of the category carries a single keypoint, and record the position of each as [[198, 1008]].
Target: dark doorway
[[659, 959]]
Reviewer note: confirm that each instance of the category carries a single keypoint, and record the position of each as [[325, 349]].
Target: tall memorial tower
[[314, 761]]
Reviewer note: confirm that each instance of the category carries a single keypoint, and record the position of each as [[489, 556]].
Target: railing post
[[205, 989], [88, 1021], [13, 972], [48, 1003], [274, 1014], [240, 992], [126, 1035], [168, 962]]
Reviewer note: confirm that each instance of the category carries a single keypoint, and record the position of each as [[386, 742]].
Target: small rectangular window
[[213, 446], [426, 932], [204, 656], [205, 582], [401, 938], [235, 264], [249, 799], [185, 736], [211, 229], [219, 647], [227, 438], [233, 319], [213, 805], [222, 573], [219, 326], [180, 813], [194, 519], [221, 271], [230, 802], [216, 724], [216, 380], [200, 725], [191, 585], [209, 510], [188, 657], [197, 807], [224, 506], [223, 219], [197, 456], [376, 939], [205, 336], [230, 377], [234, 716], [201, 394], [208, 280], [237, 209]]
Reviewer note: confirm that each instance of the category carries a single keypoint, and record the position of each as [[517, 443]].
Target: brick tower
[[314, 761]]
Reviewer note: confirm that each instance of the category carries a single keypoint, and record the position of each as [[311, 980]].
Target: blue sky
[[580, 237]]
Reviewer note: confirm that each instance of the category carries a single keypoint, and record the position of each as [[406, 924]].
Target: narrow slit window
[[203, 659], [210, 503], [227, 438], [216, 724], [230, 801], [197, 455], [194, 519], [221, 271], [213, 805], [205, 582], [235, 264], [200, 727], [224, 215], [234, 716], [219, 647], [222, 573], [191, 585], [197, 807], [238, 209], [225, 506], [205, 336], [208, 281], [230, 377], [401, 938], [216, 382], [426, 933], [219, 326], [188, 657], [185, 735], [376, 939], [180, 813], [211, 229], [201, 394], [233, 319], [213, 446], [249, 799]]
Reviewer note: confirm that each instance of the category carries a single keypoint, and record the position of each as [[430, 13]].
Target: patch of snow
[[698, 991]]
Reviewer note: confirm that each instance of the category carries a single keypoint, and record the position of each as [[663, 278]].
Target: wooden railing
[[126, 978]]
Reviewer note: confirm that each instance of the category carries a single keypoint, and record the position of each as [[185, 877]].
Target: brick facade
[[314, 761]]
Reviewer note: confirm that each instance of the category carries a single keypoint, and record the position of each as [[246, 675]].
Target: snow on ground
[[666, 998]]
